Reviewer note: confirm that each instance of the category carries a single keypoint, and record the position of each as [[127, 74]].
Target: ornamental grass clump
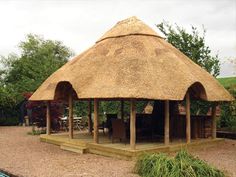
[[152, 165], [182, 165], [197, 166]]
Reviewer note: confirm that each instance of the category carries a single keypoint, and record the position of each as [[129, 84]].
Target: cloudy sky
[[79, 23]]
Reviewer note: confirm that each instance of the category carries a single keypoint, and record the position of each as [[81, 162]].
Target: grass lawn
[[227, 81]]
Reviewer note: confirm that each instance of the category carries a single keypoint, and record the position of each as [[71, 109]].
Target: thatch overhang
[[132, 61]]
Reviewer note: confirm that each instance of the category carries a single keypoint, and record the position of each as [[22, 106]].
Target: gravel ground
[[222, 156], [25, 155]]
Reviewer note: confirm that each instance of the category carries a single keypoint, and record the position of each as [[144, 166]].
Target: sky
[[79, 23]]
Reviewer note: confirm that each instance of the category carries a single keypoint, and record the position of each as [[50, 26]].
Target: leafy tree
[[19, 74], [193, 45], [39, 58]]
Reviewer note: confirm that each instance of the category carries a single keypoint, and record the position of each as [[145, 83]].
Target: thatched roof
[[132, 61]]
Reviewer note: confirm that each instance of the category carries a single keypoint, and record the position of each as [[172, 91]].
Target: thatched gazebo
[[132, 62]]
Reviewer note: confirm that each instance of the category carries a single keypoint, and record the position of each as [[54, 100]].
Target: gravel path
[[222, 156], [25, 155]]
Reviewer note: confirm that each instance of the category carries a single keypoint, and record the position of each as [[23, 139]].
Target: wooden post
[[132, 123], [167, 122], [122, 109], [48, 118], [71, 122], [213, 125], [95, 123], [188, 120], [89, 117]]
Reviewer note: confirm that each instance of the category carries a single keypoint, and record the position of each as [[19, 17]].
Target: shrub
[[228, 113], [10, 121], [182, 165]]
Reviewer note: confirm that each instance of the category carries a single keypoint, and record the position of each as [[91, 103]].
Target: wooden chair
[[118, 130], [108, 123]]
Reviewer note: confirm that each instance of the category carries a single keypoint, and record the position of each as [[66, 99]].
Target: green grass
[[182, 165], [227, 81]]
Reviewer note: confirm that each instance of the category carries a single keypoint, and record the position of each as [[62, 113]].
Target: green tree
[[39, 58], [192, 45], [25, 72]]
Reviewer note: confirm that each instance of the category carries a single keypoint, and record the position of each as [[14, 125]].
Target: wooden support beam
[[95, 123], [188, 120], [122, 109], [71, 122], [89, 116], [213, 125], [132, 123], [167, 123], [48, 118]]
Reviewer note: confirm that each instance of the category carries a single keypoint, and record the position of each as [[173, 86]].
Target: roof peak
[[129, 26], [128, 20]]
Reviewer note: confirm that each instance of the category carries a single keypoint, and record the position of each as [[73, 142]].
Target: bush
[[182, 165], [9, 121], [228, 113]]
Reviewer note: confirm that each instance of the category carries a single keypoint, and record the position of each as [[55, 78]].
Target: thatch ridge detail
[[143, 34]]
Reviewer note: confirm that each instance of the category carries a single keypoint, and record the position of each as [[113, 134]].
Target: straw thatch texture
[[132, 61], [130, 26]]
